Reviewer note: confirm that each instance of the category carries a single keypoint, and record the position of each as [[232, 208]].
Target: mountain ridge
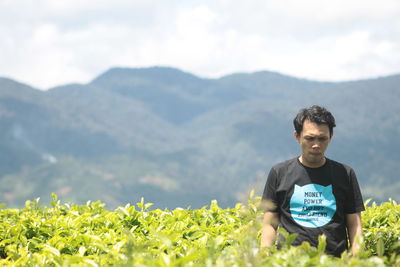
[[182, 140]]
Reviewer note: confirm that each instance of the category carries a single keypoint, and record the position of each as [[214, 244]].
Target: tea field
[[66, 234]]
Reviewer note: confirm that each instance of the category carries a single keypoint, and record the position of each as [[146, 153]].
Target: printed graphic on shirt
[[312, 205]]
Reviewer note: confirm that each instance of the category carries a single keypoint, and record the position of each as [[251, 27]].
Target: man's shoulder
[[338, 164], [285, 164]]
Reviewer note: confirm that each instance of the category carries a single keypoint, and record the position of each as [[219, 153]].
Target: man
[[314, 195]]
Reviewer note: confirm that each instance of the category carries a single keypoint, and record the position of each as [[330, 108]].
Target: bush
[[90, 235]]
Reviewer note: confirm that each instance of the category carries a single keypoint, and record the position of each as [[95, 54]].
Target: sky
[[47, 43]]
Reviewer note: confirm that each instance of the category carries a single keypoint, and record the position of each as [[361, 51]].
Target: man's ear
[[296, 136]]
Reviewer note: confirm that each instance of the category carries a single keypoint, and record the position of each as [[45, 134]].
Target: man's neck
[[312, 164]]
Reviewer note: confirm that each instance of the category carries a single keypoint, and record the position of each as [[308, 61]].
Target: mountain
[[181, 140]]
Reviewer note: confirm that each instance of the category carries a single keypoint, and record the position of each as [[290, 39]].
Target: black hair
[[315, 114]]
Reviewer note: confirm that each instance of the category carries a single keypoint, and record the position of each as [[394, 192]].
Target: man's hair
[[315, 114]]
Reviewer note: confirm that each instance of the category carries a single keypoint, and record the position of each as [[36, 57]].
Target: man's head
[[315, 114], [313, 131]]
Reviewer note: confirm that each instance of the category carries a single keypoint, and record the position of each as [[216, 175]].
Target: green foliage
[[382, 229], [90, 235]]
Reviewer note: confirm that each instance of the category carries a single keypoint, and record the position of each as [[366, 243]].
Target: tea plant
[[133, 235]]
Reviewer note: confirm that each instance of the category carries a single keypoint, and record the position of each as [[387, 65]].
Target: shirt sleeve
[[354, 201], [269, 197]]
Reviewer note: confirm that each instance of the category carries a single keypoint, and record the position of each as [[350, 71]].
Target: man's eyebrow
[[316, 135]]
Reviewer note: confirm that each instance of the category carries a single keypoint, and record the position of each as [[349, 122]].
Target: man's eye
[[308, 138]]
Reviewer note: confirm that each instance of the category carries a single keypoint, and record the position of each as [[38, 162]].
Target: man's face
[[314, 140]]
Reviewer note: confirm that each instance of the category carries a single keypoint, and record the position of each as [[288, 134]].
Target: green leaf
[[321, 243], [380, 247]]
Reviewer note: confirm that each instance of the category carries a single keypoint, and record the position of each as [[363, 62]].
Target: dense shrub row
[[90, 235]]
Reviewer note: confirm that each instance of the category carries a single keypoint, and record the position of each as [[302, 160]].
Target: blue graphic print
[[313, 205]]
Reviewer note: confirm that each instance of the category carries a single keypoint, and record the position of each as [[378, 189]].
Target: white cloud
[[47, 43]]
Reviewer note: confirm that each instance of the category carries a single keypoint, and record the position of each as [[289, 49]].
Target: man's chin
[[316, 159]]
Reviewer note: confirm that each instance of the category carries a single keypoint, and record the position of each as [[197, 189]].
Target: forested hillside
[[181, 140]]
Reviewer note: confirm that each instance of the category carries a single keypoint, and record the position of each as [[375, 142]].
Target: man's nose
[[316, 145]]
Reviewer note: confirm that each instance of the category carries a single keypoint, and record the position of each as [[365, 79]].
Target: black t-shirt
[[314, 201]]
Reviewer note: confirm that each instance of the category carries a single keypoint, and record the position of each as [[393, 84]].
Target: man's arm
[[354, 229], [268, 234]]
